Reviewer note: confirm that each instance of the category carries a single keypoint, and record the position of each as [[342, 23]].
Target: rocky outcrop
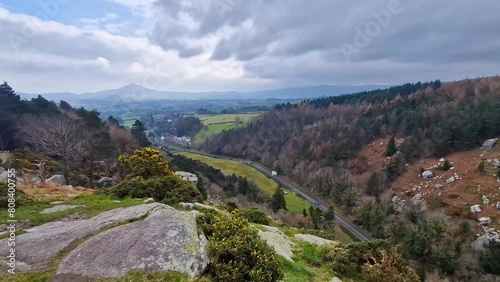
[[104, 182], [44, 242], [313, 239], [475, 209], [4, 176], [483, 241], [489, 144], [278, 240], [167, 240], [56, 179]]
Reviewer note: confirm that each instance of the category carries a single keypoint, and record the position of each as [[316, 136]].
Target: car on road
[[274, 173], [316, 203]]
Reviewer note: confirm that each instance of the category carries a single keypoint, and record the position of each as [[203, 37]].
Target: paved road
[[355, 230]]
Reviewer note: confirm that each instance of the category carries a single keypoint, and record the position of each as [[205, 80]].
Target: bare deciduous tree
[[122, 139], [61, 137]]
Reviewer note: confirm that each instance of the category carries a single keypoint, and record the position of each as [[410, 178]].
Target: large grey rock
[[427, 174], [59, 208], [6, 161], [167, 240], [4, 176], [488, 144], [475, 209], [44, 242], [57, 179], [278, 240], [313, 239], [483, 241]]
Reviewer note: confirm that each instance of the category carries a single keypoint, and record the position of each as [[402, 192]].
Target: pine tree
[[304, 212], [138, 133], [278, 200], [446, 165], [391, 148]]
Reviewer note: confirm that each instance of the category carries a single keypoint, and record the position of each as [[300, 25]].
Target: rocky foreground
[[145, 238]]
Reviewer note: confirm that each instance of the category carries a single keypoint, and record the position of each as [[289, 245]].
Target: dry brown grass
[[52, 192]]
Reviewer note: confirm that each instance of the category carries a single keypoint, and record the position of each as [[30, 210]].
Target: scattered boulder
[[483, 241], [484, 221], [5, 159], [315, 240], [104, 182], [166, 241], [475, 209], [47, 240], [451, 180], [442, 160], [36, 180], [148, 201], [59, 208], [278, 240], [396, 200], [485, 199], [57, 179], [495, 163], [79, 180], [438, 186], [489, 144], [498, 206], [427, 174], [187, 205], [418, 200], [335, 279]]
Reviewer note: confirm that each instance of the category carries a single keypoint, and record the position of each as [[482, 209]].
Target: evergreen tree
[[278, 200], [65, 106], [138, 133], [391, 148], [446, 165], [304, 212]]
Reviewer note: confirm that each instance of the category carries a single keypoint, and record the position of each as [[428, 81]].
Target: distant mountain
[[134, 92]]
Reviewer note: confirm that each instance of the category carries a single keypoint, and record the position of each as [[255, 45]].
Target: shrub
[[278, 200], [254, 215], [481, 167], [145, 163], [236, 251], [21, 197], [391, 148], [446, 165], [374, 261], [169, 189], [490, 260], [498, 173]]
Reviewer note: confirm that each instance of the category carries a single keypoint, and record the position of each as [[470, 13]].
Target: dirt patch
[[456, 197]]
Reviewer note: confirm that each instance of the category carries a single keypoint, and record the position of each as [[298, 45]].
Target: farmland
[[214, 124]]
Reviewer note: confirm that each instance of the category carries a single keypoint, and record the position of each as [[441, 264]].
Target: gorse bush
[[254, 215], [169, 189], [145, 163], [375, 261], [236, 251]]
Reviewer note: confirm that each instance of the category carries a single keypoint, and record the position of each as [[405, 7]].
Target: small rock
[[36, 180], [336, 279], [475, 209], [483, 221], [4, 176], [438, 186], [498, 206], [427, 174], [485, 199], [116, 201], [396, 200], [148, 201], [6, 159], [442, 160], [451, 180], [57, 203]]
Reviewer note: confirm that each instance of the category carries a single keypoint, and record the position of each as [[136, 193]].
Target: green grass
[[129, 119], [94, 205], [214, 124], [294, 203]]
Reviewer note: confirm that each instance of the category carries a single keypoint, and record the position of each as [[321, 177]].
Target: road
[[355, 230]]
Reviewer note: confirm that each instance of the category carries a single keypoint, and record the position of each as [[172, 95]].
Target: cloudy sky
[[203, 45]]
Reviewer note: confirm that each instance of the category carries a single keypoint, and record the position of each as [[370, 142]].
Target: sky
[[219, 45]]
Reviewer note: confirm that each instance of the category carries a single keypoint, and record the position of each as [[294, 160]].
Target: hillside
[[339, 147]]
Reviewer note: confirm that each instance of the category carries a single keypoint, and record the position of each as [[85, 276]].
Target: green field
[[293, 202], [129, 119], [214, 124]]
